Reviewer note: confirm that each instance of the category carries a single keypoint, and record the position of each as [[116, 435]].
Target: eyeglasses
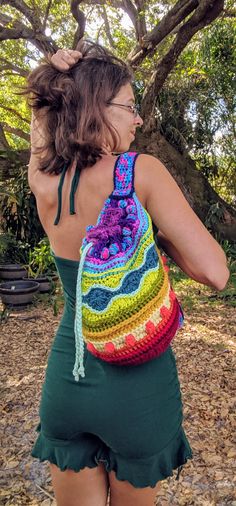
[[132, 108]]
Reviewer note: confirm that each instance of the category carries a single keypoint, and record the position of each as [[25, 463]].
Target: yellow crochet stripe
[[125, 304], [112, 277], [139, 332], [136, 328], [130, 323]]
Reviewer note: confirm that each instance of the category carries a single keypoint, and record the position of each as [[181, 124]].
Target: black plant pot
[[18, 294], [12, 271], [46, 282]]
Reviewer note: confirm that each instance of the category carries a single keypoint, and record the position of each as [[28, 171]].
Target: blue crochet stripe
[[118, 287], [99, 299], [123, 296], [125, 167]]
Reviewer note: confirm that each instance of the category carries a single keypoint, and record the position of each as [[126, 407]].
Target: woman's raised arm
[[37, 141]]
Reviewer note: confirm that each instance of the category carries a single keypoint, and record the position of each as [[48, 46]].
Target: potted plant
[[41, 267], [12, 256]]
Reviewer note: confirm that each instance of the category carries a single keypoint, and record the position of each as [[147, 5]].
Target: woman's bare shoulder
[[44, 187], [149, 171], [150, 165]]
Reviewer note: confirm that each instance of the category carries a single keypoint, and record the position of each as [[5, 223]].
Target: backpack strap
[[124, 174]]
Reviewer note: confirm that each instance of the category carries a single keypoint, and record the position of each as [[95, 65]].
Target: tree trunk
[[211, 209]]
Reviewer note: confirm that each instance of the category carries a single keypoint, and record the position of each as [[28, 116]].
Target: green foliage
[[18, 209], [13, 109], [230, 251], [12, 251], [4, 314], [40, 259], [57, 301], [197, 105], [214, 215]]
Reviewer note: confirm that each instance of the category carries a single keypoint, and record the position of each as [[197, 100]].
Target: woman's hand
[[63, 59]]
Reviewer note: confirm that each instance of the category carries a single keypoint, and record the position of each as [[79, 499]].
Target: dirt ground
[[205, 352]]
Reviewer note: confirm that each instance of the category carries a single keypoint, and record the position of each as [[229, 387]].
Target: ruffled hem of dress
[[141, 473], [148, 471], [64, 454]]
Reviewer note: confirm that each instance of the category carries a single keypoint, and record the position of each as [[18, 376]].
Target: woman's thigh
[[123, 493], [88, 487]]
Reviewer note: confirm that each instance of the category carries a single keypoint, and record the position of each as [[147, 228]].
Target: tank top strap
[[124, 174], [74, 186]]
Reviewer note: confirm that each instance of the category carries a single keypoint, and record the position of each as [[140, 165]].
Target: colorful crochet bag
[[126, 311]]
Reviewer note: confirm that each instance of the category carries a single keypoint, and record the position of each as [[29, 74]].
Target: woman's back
[[94, 186]]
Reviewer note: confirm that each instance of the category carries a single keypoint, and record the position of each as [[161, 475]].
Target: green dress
[[129, 418]]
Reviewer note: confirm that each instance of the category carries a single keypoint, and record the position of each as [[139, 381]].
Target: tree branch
[[116, 3], [16, 113], [141, 21], [44, 24], [3, 141], [130, 9], [22, 7], [229, 13], [5, 19], [139, 4], [16, 131], [19, 31], [172, 19], [16, 26], [11, 66], [43, 43], [107, 29], [81, 20], [206, 12], [98, 34], [137, 17]]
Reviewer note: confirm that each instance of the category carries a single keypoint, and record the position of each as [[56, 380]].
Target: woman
[[118, 428]]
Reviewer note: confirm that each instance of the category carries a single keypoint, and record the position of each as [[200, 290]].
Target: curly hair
[[73, 103]]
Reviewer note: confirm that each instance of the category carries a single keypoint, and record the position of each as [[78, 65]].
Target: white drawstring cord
[[79, 340]]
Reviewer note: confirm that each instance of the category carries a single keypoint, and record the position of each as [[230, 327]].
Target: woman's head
[[88, 109]]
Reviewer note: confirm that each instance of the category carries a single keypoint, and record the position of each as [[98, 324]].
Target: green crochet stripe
[[150, 276], [124, 307]]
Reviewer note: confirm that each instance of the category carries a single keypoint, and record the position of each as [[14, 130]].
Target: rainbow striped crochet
[[126, 310]]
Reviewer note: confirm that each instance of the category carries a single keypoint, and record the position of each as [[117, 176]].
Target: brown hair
[[74, 102]]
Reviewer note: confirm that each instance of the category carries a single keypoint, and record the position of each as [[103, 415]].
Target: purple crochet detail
[[123, 174], [114, 228], [118, 221]]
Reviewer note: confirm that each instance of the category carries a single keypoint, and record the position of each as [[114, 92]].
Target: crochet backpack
[[126, 311]]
